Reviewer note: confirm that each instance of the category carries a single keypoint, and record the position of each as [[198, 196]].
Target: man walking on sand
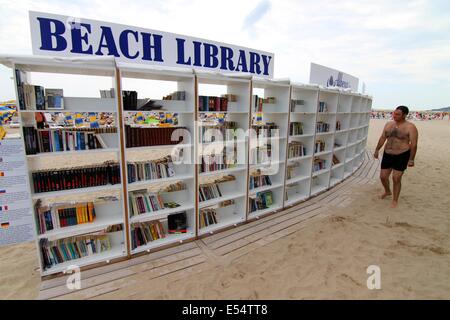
[[399, 152]]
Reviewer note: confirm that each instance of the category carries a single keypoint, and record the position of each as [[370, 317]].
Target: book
[[177, 223], [54, 99]]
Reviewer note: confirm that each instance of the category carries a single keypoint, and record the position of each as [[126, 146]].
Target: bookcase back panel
[[309, 97]]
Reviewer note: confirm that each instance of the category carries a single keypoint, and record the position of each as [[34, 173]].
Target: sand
[[328, 258]]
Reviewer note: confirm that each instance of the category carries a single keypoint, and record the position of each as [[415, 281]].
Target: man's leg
[[384, 177], [397, 179]]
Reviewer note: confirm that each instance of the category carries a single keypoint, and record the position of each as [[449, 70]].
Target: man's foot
[[386, 194], [394, 204]]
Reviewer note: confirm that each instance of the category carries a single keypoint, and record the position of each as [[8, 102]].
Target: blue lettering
[[227, 58], [107, 41], [125, 46], [197, 53], [47, 34], [266, 62], [180, 52], [78, 39], [156, 47], [211, 52], [242, 62], [254, 63]]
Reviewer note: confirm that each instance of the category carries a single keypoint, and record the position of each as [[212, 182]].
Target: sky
[[399, 49]]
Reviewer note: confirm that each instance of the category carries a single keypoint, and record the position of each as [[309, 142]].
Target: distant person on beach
[[399, 152]]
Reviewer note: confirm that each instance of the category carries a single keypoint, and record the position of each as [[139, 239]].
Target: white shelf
[[265, 188], [159, 214], [339, 148], [166, 146], [72, 153], [219, 143], [299, 158], [296, 199], [297, 179], [224, 171], [336, 166], [317, 189], [170, 238], [266, 165], [226, 222], [215, 201], [334, 181], [225, 112], [70, 192], [305, 113], [140, 184], [258, 213], [319, 172], [303, 135], [324, 133], [115, 252], [81, 104], [322, 153], [100, 223]]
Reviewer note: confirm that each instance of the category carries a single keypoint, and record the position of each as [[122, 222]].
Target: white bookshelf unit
[[162, 176], [52, 151], [223, 117], [176, 188], [268, 142]]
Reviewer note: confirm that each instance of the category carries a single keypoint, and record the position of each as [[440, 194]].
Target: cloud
[[256, 14]]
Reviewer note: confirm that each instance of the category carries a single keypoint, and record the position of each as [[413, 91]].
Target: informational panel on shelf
[[16, 216], [57, 35], [329, 77]]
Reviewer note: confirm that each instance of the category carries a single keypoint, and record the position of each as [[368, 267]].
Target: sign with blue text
[[328, 77], [58, 35]]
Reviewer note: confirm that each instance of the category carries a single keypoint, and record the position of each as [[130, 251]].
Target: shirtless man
[[399, 152]]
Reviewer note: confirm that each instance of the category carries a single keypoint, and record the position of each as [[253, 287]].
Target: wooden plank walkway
[[193, 257]]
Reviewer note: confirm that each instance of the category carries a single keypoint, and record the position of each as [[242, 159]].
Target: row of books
[[261, 154], [209, 103], [268, 130], [322, 127], [212, 163], [207, 217], [150, 170], [146, 232], [177, 95], [145, 202], [258, 102], [319, 146], [296, 149], [74, 178], [257, 181], [144, 137], [59, 251], [107, 93], [212, 133], [319, 164], [174, 187], [262, 200], [296, 102], [323, 106], [295, 128], [57, 140], [55, 217], [208, 191]]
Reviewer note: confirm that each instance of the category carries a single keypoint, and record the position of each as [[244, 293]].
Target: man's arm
[[413, 138], [381, 142]]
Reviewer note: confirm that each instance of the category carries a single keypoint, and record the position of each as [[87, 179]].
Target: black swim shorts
[[397, 162]]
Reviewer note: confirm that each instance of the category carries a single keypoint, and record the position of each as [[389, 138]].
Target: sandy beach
[[328, 258]]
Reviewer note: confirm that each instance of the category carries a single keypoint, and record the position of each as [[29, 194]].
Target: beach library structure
[[113, 173]]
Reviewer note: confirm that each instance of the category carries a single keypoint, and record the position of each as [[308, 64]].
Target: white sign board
[[328, 77], [58, 35], [16, 216]]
